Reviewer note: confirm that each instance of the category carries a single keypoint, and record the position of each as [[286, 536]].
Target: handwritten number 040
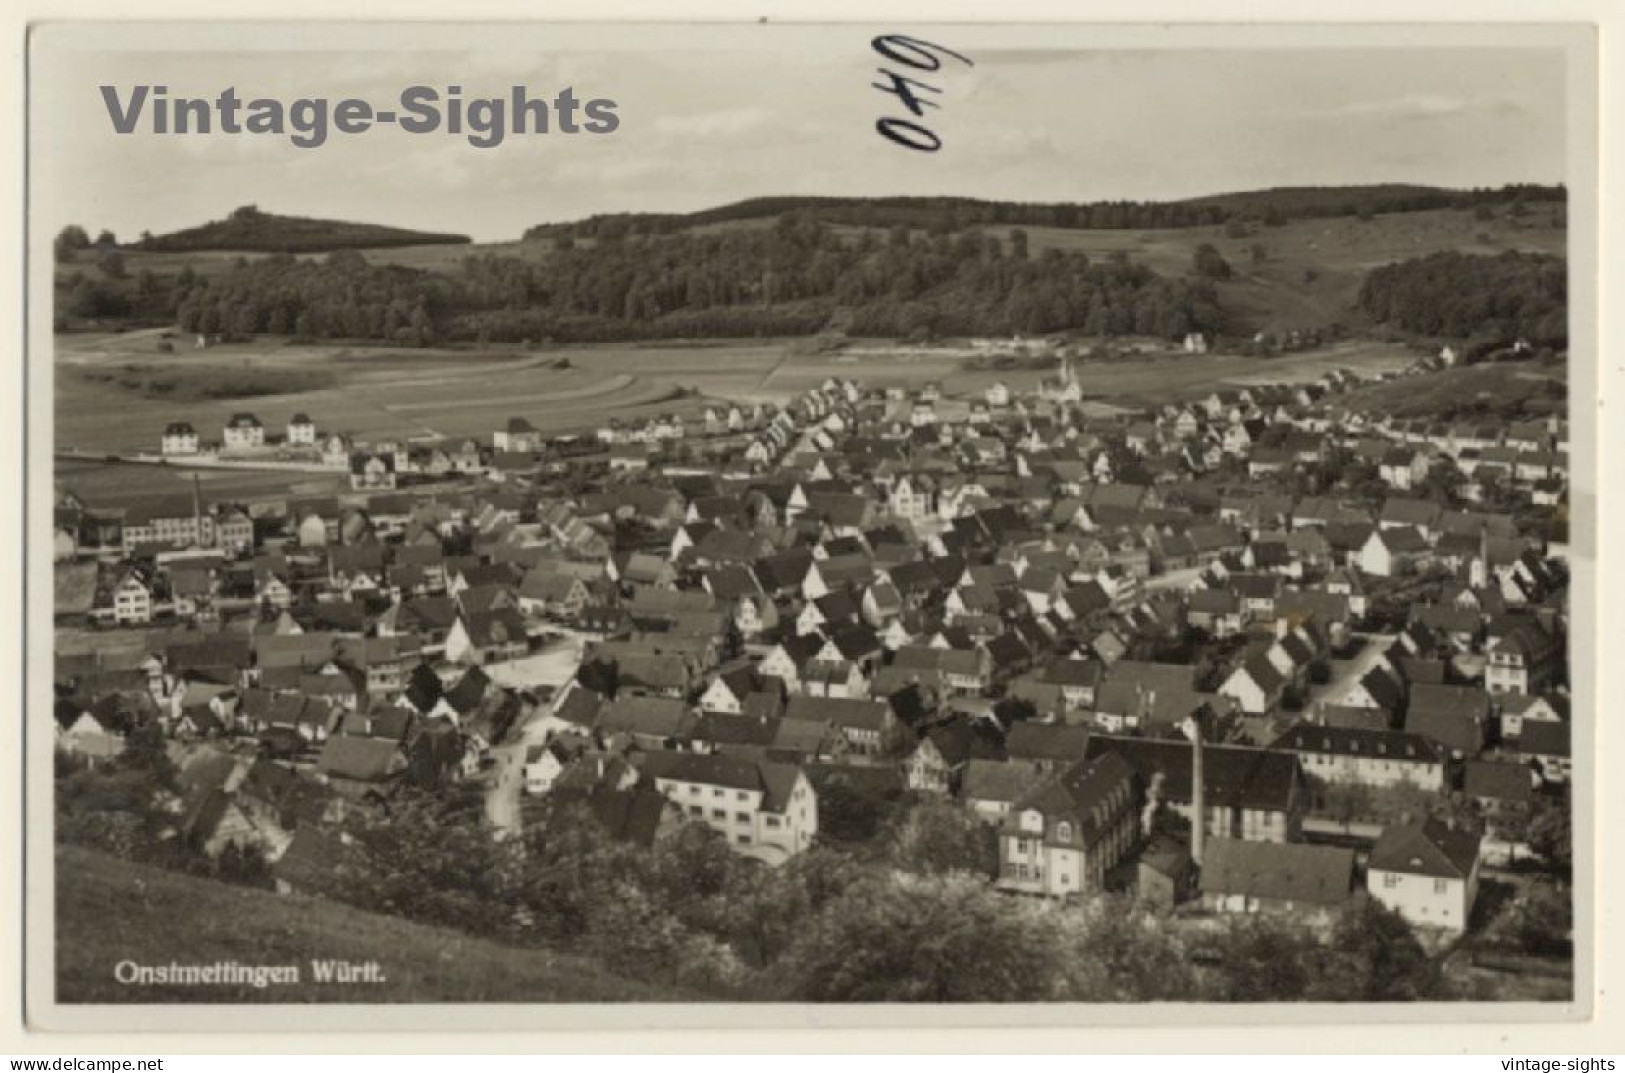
[[917, 55]]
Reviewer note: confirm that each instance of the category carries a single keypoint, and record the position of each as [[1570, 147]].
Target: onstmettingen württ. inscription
[[601, 582]]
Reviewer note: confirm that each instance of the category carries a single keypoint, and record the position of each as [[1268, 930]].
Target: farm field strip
[[629, 382], [610, 386]]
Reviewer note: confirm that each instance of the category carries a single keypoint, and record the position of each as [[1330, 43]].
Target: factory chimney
[[197, 511], [1192, 726]]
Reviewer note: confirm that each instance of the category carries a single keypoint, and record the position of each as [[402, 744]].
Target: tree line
[[796, 278], [944, 215], [1504, 297]]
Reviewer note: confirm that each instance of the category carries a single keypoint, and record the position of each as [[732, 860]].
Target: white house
[[132, 599], [301, 431], [766, 810], [1427, 873], [244, 432], [180, 438]]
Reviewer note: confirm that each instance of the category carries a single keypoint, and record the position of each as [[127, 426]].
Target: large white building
[[1363, 756], [765, 810]]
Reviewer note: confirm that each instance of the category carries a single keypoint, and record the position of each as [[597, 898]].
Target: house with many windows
[[1365, 756], [765, 809], [1063, 836]]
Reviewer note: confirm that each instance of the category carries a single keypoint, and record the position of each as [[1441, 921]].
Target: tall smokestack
[[1193, 730], [197, 509]]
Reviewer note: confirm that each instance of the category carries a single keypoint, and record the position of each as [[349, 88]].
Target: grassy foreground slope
[[109, 910]]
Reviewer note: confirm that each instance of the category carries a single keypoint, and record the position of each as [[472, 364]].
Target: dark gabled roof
[[1127, 676], [962, 739], [470, 689], [995, 780], [1359, 742], [423, 688], [1498, 781], [1076, 793], [1544, 737], [1052, 742], [1380, 684], [1438, 705], [504, 625], [773, 781], [361, 759], [732, 581], [1008, 650], [1214, 602], [802, 647], [1404, 539], [1432, 848], [854, 640], [1279, 871], [918, 578], [1232, 775], [837, 605], [839, 711], [1255, 586], [785, 570], [660, 717], [580, 707], [1417, 512], [765, 703], [723, 729]]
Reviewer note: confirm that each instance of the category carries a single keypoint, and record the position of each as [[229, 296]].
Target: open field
[[1277, 294], [106, 484], [426, 395], [432, 257], [1501, 389], [375, 392], [110, 910]]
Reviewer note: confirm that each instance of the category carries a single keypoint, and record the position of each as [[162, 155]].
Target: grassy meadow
[[110, 910]]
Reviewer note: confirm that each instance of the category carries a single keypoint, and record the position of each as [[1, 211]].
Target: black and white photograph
[[870, 515]]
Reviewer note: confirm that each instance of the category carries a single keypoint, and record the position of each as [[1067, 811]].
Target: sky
[[703, 125]]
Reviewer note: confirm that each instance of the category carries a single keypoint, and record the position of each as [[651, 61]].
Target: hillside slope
[[109, 910], [249, 230], [1307, 273]]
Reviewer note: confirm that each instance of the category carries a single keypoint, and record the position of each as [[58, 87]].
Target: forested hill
[[947, 214], [1509, 296], [798, 277], [248, 230]]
